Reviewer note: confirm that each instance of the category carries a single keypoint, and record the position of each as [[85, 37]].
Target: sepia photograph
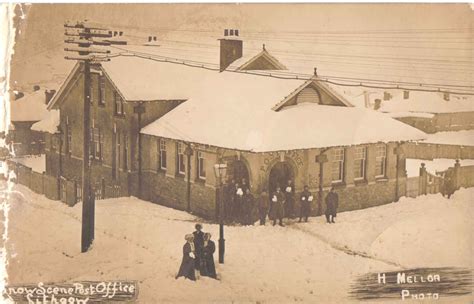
[[237, 153]]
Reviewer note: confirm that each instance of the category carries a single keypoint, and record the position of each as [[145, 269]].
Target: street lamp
[[220, 171]]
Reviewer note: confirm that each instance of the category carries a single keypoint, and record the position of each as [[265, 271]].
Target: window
[[91, 97], [101, 90], [118, 104], [116, 163], [380, 160], [180, 158], [338, 165], [359, 162], [125, 152], [201, 166], [55, 142], [68, 140], [78, 192], [63, 190], [162, 154], [96, 144]]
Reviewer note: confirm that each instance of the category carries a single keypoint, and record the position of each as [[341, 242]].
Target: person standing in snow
[[229, 198], [289, 199], [198, 244], [306, 199], [332, 203], [238, 201], [248, 205], [186, 269], [208, 267], [449, 183], [263, 203], [278, 206]]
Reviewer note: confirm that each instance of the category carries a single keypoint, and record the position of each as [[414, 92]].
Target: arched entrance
[[237, 171], [280, 173]]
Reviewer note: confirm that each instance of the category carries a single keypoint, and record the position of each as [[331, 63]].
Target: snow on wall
[[37, 163], [48, 124]]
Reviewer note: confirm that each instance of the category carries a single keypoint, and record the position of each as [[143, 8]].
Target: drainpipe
[[139, 110], [188, 152], [397, 190], [321, 159]]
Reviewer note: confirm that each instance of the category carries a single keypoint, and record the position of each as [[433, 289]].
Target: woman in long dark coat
[[187, 264], [208, 267]]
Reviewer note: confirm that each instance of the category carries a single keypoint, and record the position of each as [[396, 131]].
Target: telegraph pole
[[85, 36]]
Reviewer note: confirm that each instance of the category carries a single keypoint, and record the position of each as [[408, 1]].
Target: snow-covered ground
[[310, 262]]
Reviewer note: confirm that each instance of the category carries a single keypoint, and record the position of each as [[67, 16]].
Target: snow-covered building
[[430, 112], [24, 112], [267, 129]]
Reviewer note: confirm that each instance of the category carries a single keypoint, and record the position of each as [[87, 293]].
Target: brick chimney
[[230, 49], [48, 95], [406, 94]]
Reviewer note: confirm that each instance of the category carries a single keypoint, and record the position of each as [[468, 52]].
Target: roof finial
[[263, 46], [315, 71]]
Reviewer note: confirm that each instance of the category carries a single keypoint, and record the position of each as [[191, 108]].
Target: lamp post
[[220, 171]]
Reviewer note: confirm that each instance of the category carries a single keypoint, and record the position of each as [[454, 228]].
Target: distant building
[[26, 110], [268, 130]]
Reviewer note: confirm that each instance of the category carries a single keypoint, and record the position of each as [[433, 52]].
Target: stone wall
[[432, 151]]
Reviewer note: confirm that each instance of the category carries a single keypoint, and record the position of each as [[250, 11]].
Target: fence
[[59, 188], [432, 151], [427, 183]]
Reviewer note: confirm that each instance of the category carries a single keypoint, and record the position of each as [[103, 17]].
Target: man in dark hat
[[306, 199], [198, 244], [263, 204], [332, 203], [278, 206], [289, 199]]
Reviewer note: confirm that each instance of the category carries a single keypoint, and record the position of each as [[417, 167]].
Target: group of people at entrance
[[198, 256], [241, 205]]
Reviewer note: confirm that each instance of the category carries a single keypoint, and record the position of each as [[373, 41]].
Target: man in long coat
[[263, 204], [289, 199], [332, 203], [229, 198], [208, 267], [248, 205], [305, 204], [238, 200], [278, 206], [198, 244], [186, 269]]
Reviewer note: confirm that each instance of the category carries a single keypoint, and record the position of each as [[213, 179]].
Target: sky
[[410, 42]]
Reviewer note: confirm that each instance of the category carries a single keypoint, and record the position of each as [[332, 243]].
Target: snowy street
[[137, 240]]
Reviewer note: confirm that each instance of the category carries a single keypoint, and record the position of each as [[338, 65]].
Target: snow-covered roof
[[48, 124], [234, 110], [30, 107], [248, 59], [462, 138], [260, 129], [427, 102], [142, 79]]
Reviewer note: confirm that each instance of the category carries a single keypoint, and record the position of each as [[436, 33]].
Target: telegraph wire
[[422, 87]]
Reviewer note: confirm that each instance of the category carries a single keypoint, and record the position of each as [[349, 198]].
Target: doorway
[[280, 173]]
